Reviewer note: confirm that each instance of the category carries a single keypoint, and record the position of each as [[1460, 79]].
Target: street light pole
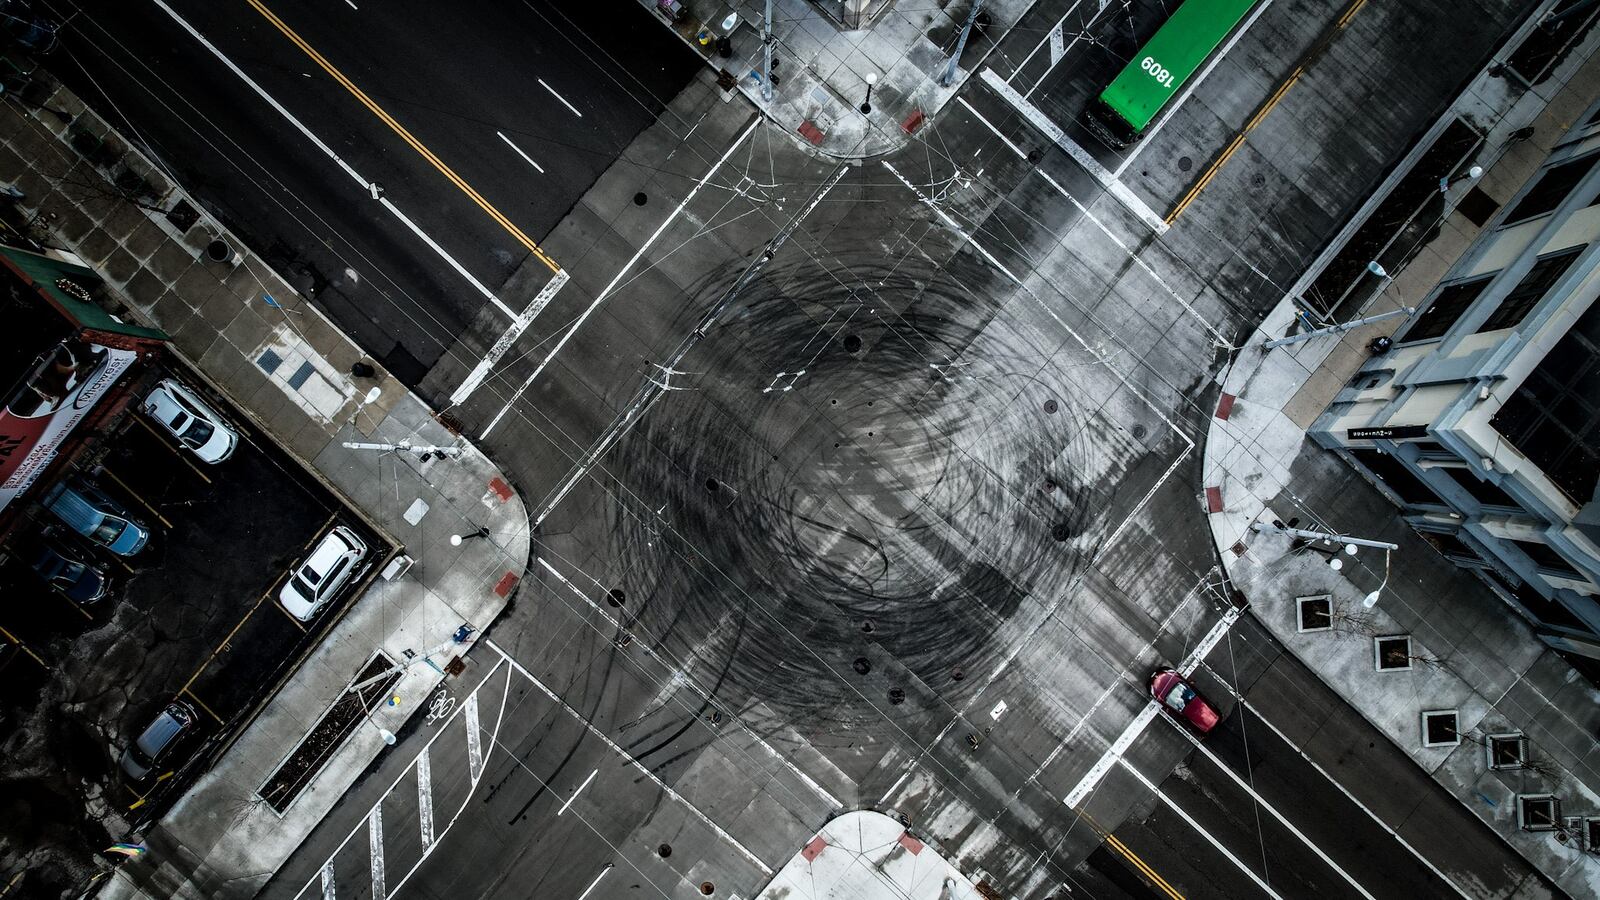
[[1339, 328], [1269, 528], [766, 54], [1371, 599], [866, 105], [961, 44]]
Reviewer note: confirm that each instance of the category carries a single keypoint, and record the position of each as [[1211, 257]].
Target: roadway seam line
[[405, 135], [329, 152], [648, 773], [1273, 810], [512, 145], [1359, 805], [606, 291], [810, 782], [1202, 832], [390, 789], [1100, 173]]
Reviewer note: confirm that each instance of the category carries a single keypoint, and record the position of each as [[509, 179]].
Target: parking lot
[[193, 617]]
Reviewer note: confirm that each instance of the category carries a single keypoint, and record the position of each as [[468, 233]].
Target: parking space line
[[1127, 766], [193, 696], [1100, 173], [643, 769], [287, 615], [136, 495], [425, 799], [24, 647], [176, 451], [1271, 810], [80, 610], [474, 739], [375, 841]]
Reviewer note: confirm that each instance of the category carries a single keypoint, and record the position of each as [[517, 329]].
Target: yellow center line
[[405, 135], [1144, 867]]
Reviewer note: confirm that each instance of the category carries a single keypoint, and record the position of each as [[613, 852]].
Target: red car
[[1180, 699]]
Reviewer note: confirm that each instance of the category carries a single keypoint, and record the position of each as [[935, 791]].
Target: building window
[[1554, 417], [1543, 610], [1527, 294], [1545, 557], [1551, 188], [1393, 473], [1486, 493], [1447, 306]]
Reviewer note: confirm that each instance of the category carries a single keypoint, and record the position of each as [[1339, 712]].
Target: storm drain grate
[[306, 761]]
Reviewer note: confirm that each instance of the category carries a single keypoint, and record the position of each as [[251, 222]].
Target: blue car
[[72, 578], [97, 517]]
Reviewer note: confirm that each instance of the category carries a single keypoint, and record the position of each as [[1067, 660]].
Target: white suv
[[315, 581]]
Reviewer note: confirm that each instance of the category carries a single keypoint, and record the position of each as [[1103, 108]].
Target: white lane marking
[[512, 145], [1194, 82], [1352, 797], [1202, 832], [575, 793], [645, 770], [1137, 259], [353, 5], [1044, 41], [1272, 810], [1107, 180], [561, 98], [450, 260], [375, 841], [601, 297], [366, 185], [833, 802], [595, 881], [327, 880], [425, 799], [479, 372], [1114, 753], [474, 739]]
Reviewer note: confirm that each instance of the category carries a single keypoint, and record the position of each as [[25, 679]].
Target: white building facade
[[1483, 421]]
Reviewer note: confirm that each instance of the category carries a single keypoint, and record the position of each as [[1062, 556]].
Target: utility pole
[[961, 44], [1339, 328]]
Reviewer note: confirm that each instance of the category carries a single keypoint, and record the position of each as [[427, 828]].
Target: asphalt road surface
[[569, 88]]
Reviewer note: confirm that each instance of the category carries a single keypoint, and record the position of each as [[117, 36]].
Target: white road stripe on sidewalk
[[1201, 831], [643, 769], [474, 740], [606, 292], [512, 145], [1359, 805], [1051, 130], [366, 185], [375, 839], [575, 793], [561, 98], [425, 800], [1271, 810]]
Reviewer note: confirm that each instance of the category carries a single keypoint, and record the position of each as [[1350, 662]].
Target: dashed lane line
[[1171, 804]]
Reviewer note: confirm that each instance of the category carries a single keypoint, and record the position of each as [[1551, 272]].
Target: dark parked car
[[158, 740], [1182, 701], [73, 578]]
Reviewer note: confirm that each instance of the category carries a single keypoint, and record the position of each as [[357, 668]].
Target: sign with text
[[1387, 433], [58, 391]]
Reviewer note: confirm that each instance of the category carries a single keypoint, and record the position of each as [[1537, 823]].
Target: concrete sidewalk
[[1469, 651], [822, 67], [288, 369]]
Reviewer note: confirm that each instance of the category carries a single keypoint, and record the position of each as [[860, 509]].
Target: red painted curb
[[1225, 406], [506, 583], [1214, 499]]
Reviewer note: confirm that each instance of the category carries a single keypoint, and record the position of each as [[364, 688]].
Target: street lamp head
[[1350, 549], [372, 395], [388, 736], [455, 540], [1370, 600], [872, 78], [1475, 172]]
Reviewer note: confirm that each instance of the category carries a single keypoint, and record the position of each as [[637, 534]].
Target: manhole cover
[[1049, 487], [641, 198], [958, 673], [1139, 431], [1061, 532], [1050, 407], [1185, 163], [707, 888], [896, 696], [867, 627], [852, 343], [712, 485], [862, 665], [1258, 179], [664, 851], [615, 597]]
